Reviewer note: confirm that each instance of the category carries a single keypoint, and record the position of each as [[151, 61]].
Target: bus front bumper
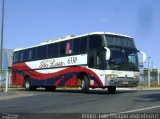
[[122, 82]]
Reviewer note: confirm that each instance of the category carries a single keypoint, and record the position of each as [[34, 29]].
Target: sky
[[30, 22]]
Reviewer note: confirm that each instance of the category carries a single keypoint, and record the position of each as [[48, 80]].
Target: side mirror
[[108, 53], [144, 56]]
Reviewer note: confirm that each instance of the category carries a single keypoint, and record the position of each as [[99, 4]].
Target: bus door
[[96, 62]]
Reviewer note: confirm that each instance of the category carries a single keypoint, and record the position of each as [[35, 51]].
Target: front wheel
[[85, 84]]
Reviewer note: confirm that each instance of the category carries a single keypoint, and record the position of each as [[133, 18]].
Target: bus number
[[72, 60]]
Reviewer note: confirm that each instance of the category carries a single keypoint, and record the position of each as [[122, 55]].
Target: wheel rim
[[27, 84], [82, 84]]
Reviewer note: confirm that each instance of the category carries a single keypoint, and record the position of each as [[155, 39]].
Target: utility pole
[[158, 76], [151, 66], [149, 77], [1, 52]]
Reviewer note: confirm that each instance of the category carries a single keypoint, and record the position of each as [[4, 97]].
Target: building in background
[[7, 57]]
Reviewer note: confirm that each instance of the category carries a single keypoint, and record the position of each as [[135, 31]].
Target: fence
[[5, 79], [154, 77]]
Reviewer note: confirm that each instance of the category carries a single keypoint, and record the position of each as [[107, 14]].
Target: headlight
[[111, 75], [136, 75]]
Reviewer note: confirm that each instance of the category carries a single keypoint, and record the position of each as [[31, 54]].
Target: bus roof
[[64, 38]]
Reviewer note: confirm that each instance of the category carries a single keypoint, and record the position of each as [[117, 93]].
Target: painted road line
[[142, 109], [4, 97]]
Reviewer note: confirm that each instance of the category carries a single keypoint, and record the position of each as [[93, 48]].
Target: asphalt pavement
[[73, 101]]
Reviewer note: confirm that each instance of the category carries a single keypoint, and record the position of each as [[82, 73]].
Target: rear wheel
[[85, 84], [112, 89], [28, 85]]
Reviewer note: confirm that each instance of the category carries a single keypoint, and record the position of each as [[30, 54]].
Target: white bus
[[94, 60]]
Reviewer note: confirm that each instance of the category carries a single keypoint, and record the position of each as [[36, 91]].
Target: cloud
[[104, 19]]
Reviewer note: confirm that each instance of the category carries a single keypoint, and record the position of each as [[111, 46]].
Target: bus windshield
[[123, 59], [120, 41]]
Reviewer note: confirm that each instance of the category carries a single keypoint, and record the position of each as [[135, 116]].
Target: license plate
[[125, 82]]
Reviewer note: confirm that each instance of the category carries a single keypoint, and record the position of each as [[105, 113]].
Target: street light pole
[[1, 52], [158, 76], [151, 66], [149, 78]]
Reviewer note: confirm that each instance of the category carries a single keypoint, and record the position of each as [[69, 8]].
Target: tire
[[112, 89], [28, 85], [85, 84], [50, 88]]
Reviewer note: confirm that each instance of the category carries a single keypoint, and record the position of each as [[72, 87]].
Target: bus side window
[[99, 59], [62, 49], [50, 50], [95, 41], [34, 53], [95, 59], [68, 50], [53, 50], [76, 46], [21, 56], [25, 55], [80, 45], [16, 57], [83, 45], [91, 59], [39, 52], [30, 54], [44, 51]]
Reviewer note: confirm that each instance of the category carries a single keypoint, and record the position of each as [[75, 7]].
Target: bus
[[93, 60]]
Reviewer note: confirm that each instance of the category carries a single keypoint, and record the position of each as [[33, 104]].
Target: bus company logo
[[50, 63]]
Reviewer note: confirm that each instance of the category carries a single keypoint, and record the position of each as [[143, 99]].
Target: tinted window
[[62, 48], [21, 56], [120, 41], [95, 41], [30, 54], [83, 45], [25, 55], [99, 59], [76, 45], [91, 59], [39, 52], [15, 57], [50, 50], [34, 53], [44, 51], [53, 50], [68, 49], [65, 48]]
